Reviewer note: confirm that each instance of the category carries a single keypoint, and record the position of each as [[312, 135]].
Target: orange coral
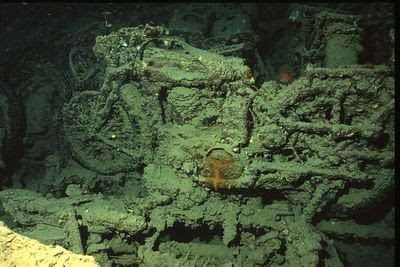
[[285, 77], [248, 74], [221, 169]]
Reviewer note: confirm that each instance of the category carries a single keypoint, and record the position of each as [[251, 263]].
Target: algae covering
[[219, 135]]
